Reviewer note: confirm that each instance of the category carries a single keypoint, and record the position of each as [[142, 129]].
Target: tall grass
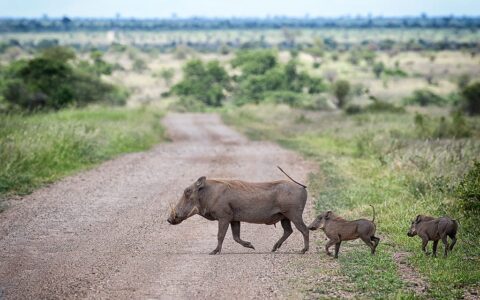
[[40, 148], [378, 159]]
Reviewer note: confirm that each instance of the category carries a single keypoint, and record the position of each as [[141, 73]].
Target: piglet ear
[[328, 215], [200, 184]]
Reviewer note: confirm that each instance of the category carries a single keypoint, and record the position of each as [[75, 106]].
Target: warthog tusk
[[193, 211]]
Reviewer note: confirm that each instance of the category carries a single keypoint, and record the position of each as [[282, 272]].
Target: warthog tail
[[373, 220], [302, 185]]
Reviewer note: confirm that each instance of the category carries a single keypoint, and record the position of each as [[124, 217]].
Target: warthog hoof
[[216, 251], [303, 250], [248, 245]]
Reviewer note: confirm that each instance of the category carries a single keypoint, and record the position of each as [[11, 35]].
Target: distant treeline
[[92, 24]]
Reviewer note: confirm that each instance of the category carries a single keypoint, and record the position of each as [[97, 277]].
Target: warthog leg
[[369, 243], [454, 240], [434, 248], [298, 222], [222, 230], [287, 231], [236, 235], [445, 243]]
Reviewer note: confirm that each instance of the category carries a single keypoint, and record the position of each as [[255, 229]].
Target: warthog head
[[413, 226], [189, 203], [320, 220]]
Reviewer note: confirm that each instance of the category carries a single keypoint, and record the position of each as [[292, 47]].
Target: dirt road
[[103, 233]]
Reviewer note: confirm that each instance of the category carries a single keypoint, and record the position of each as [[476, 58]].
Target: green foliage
[[443, 127], [263, 78], [425, 98], [468, 191], [378, 69], [255, 62], [205, 81], [471, 98], [100, 66], [375, 107], [167, 75], [50, 81], [139, 65], [62, 54], [341, 90], [397, 72], [463, 80], [40, 148]]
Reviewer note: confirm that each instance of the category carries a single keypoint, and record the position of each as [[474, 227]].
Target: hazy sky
[[239, 8]]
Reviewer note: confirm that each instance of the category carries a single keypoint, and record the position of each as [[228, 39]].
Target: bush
[[397, 72], [255, 62], [139, 65], [438, 128], [341, 90], [378, 69], [375, 107], [471, 98], [468, 191], [265, 78], [425, 98], [167, 75], [49, 81], [206, 82]]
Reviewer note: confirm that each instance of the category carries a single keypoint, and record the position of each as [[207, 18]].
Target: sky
[[238, 8]]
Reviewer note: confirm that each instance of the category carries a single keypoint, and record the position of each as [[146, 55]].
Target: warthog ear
[[417, 219], [200, 184], [328, 215]]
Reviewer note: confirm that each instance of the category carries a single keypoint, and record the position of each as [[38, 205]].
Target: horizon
[[184, 9]]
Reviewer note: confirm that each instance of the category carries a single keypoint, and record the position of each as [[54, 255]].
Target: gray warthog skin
[[233, 201], [338, 229], [434, 229]]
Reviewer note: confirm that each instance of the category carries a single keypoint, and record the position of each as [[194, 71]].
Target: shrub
[[207, 82], [463, 81], [341, 90], [425, 98], [139, 65], [378, 69], [471, 98], [468, 191], [285, 97], [255, 62], [278, 82], [443, 127], [167, 75], [49, 81], [397, 72]]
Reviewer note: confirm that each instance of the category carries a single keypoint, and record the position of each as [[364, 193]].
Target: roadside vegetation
[[59, 115], [383, 160], [40, 148]]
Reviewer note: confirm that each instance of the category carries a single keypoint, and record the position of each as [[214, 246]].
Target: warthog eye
[[187, 192]]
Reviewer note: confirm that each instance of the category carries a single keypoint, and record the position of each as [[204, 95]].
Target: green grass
[[376, 159], [41, 148]]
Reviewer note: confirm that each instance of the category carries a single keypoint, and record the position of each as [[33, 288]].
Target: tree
[[206, 82], [255, 62], [50, 81], [378, 69], [471, 98], [341, 89]]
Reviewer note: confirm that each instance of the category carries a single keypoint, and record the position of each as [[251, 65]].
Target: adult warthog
[[235, 201]]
